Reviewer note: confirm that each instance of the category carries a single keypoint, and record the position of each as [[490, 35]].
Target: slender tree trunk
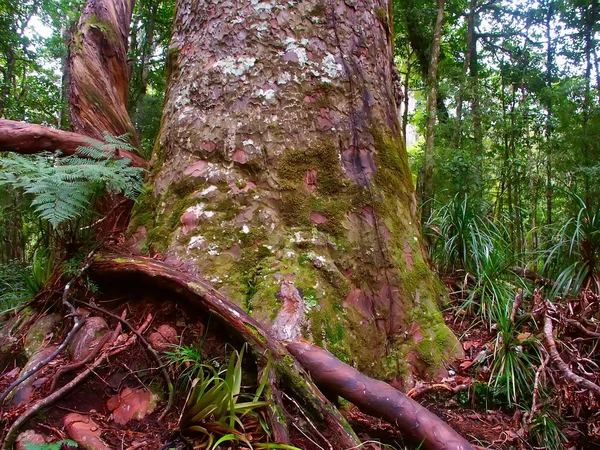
[[549, 145], [465, 81], [98, 85], [432, 87], [280, 158], [589, 20], [406, 97]]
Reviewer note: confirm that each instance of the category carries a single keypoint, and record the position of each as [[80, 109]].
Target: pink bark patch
[[131, 404], [317, 217], [408, 256], [324, 119], [189, 221], [416, 333], [310, 180], [239, 156], [208, 146], [290, 57], [357, 298], [197, 169], [358, 165]]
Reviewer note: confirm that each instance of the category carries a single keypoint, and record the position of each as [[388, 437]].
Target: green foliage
[[514, 359], [545, 430], [42, 267], [12, 286], [187, 359], [572, 261], [214, 408], [60, 445], [63, 188]]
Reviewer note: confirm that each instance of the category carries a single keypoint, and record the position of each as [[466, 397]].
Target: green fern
[[62, 188]]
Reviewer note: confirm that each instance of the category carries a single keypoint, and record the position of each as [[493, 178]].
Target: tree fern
[[62, 188]]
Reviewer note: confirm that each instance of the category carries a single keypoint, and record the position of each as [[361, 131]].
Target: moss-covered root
[[288, 374]]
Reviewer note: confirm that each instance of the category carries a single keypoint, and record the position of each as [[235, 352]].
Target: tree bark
[[98, 83], [25, 138], [280, 158]]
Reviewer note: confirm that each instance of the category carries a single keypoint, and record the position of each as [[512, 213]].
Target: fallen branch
[[47, 401], [420, 390], [27, 138], [558, 361], [576, 324], [151, 350], [378, 399]]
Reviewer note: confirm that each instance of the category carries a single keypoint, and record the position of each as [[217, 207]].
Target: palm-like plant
[[216, 407], [573, 260]]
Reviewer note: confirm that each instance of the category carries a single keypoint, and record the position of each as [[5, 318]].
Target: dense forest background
[[501, 114]]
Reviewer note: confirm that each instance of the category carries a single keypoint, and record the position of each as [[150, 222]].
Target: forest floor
[[100, 406]]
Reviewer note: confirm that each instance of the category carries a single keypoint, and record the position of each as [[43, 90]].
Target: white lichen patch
[[208, 190], [292, 46], [266, 94], [199, 211], [213, 250], [196, 242], [331, 67], [236, 66], [245, 229], [284, 78]]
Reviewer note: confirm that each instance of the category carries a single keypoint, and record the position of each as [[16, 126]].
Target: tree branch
[[27, 138]]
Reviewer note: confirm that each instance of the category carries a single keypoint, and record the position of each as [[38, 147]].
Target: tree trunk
[[549, 146], [98, 84], [432, 85], [280, 158]]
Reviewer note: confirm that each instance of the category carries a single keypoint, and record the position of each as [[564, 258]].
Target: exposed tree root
[[26, 138], [79, 321], [11, 435], [558, 361], [374, 397], [377, 398]]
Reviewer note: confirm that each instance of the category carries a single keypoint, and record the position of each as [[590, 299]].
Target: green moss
[[105, 27], [257, 334], [172, 62], [318, 10], [381, 14]]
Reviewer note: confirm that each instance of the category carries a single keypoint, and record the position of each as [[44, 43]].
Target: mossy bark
[[280, 159]]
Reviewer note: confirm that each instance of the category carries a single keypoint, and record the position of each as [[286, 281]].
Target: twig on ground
[[74, 366], [420, 390], [558, 361], [576, 324], [46, 401], [79, 321], [312, 425], [150, 350]]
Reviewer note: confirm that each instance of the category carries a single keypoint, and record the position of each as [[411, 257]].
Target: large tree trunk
[[280, 158]]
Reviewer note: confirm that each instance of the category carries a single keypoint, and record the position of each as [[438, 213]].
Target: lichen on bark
[[279, 160]]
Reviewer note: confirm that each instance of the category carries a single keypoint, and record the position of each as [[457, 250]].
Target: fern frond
[[62, 188]]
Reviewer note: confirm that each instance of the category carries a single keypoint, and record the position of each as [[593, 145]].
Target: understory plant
[[572, 262], [218, 411]]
